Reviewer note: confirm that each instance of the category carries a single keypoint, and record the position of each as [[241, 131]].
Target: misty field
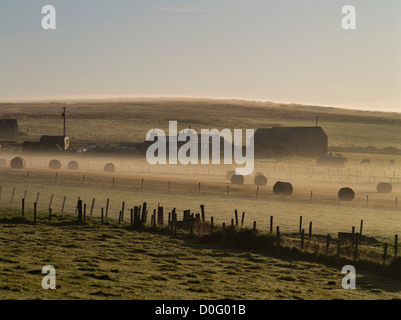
[[108, 261]]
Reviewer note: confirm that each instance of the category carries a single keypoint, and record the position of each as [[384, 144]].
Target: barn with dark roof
[[284, 141]]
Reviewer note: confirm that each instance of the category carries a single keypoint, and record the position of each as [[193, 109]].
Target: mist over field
[[169, 261]]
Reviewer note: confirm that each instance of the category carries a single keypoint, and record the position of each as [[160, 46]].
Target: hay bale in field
[[3, 163], [384, 187], [237, 179], [73, 165], [54, 164], [17, 163], [281, 187], [109, 167], [260, 180], [229, 174], [346, 194]]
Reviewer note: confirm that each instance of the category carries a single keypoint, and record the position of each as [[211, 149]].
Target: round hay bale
[[346, 194], [260, 180], [384, 187], [109, 167], [73, 165], [281, 187], [229, 174], [17, 163], [54, 164], [237, 179], [3, 163]]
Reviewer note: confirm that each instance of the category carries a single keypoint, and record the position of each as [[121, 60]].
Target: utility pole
[[63, 115]]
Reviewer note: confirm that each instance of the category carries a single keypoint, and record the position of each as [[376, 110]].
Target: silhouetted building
[[8, 129], [54, 143], [284, 141]]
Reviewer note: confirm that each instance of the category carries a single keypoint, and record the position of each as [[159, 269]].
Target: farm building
[[283, 141], [8, 129], [54, 143]]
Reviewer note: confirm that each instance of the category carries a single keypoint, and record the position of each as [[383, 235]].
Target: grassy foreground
[[109, 261]]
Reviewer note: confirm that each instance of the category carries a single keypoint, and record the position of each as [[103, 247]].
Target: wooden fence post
[[385, 253], [102, 216], [310, 230], [302, 238], [107, 206], [144, 206], [328, 244], [79, 206], [395, 245], [360, 230], [236, 217], [243, 218], [202, 206], [300, 224], [278, 235], [175, 224], [62, 207], [23, 206], [84, 211], [271, 224], [254, 226], [12, 196], [50, 202], [191, 225], [160, 216], [173, 219], [211, 225], [34, 213], [122, 211], [50, 214]]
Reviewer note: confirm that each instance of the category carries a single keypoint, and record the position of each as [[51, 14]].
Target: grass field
[[95, 261]]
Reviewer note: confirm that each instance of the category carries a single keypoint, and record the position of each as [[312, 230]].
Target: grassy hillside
[[129, 120]]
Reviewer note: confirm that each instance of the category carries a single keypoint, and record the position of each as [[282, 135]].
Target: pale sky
[[274, 50]]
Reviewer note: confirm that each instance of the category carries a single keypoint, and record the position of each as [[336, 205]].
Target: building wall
[[304, 142], [8, 129]]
